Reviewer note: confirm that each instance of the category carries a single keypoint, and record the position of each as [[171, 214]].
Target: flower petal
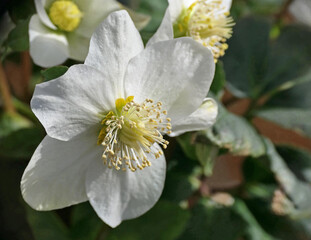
[[78, 46], [164, 32], [40, 7], [118, 195], [47, 48], [226, 4], [71, 104], [176, 7], [55, 175], [113, 44], [94, 12], [301, 10], [201, 119], [177, 72]]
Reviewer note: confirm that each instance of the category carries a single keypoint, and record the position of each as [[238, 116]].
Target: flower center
[[65, 15], [208, 23], [129, 132]]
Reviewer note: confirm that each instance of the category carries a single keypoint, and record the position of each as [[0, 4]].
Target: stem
[[230, 101], [24, 109], [283, 11], [288, 85], [5, 92], [27, 72], [103, 233], [248, 114]]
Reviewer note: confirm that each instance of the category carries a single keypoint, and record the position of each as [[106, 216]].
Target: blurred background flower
[[62, 29], [301, 10], [206, 21]]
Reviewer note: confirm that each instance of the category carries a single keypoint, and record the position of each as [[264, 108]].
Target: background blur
[[248, 177]]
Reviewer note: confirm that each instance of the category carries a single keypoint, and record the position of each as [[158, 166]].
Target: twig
[[27, 72], [283, 11]]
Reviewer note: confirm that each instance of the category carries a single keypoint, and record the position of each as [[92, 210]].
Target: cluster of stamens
[[129, 133], [207, 22], [65, 14]]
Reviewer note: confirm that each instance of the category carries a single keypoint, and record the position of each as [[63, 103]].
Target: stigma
[[65, 15], [129, 132], [207, 22]]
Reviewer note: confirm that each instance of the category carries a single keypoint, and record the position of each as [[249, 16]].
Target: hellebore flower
[[206, 21], [62, 29], [301, 10], [105, 119]]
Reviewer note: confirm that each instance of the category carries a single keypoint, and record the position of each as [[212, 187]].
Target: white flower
[[62, 29], [206, 21], [301, 10], [104, 130]]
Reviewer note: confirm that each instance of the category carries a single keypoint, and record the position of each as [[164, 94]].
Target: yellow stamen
[[129, 133], [65, 15]]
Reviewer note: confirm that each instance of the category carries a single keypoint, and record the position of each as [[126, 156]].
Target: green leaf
[[293, 119], [299, 192], [206, 154], [164, 221], [298, 160], [18, 39], [13, 217], [46, 225], [179, 186], [53, 72], [20, 10], [245, 61], [21, 144], [10, 122], [253, 230], [156, 10], [235, 134], [290, 108], [212, 222], [292, 93], [255, 7], [289, 57], [182, 174], [260, 188], [257, 170], [280, 227], [186, 141], [265, 7], [179, 162], [255, 67], [219, 81], [86, 225]]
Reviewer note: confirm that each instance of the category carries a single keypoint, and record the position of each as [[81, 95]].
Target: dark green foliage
[[245, 61], [18, 39], [165, 221], [53, 72], [213, 222]]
